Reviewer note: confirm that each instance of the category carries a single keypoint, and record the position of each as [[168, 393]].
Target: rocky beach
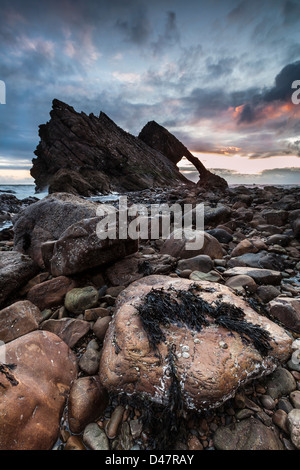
[[141, 344]]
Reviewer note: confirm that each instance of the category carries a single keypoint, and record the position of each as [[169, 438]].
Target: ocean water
[[22, 191]]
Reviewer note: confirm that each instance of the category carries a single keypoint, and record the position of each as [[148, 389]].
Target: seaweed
[[171, 414], [184, 307], [160, 307], [162, 421], [232, 318]]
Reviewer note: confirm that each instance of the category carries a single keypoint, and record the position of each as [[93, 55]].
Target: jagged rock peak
[[86, 155]]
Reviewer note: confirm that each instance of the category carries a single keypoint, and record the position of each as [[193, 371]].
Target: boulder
[[287, 311], [267, 293], [222, 235], [18, 319], [241, 283], [275, 217], [80, 299], [214, 216], [136, 266], [263, 259], [260, 276], [293, 423], [184, 247], [280, 383], [248, 434], [87, 401], [15, 271], [245, 246], [80, 248], [278, 239], [201, 263], [168, 333], [46, 220], [70, 330], [296, 228], [50, 293], [34, 389]]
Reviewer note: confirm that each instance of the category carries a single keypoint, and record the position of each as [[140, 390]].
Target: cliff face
[[88, 155]]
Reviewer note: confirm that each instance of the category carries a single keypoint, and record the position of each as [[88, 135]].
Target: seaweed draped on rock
[[196, 337]]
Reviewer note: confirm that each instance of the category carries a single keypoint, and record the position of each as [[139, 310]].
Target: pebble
[[267, 402], [194, 443], [294, 362], [95, 438], [293, 423], [244, 413], [136, 427], [80, 299], [74, 443], [296, 344], [89, 361], [93, 314], [100, 327], [280, 383], [280, 419], [285, 405], [295, 399], [114, 422], [211, 276]]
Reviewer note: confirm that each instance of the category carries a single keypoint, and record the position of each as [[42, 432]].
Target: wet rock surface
[[34, 389], [258, 262]]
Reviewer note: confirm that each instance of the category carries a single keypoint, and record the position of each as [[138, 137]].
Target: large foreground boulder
[[34, 385], [196, 342], [46, 220]]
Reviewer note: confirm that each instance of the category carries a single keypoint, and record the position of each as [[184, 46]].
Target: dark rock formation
[[87, 154], [162, 140]]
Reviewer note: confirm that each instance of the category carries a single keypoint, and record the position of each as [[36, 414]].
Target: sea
[[23, 191]]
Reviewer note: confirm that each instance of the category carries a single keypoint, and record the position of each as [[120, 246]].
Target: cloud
[[291, 12], [280, 93], [170, 35], [137, 29], [275, 176]]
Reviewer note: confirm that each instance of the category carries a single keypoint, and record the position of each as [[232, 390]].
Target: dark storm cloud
[[291, 12], [223, 66], [137, 29], [170, 36], [188, 70], [281, 92]]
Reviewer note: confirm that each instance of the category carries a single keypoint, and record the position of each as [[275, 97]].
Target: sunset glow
[[228, 101]]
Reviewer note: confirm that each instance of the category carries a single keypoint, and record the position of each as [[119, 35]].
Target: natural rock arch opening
[[162, 140], [188, 170]]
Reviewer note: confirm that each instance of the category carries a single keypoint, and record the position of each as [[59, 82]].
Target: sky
[[218, 74]]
